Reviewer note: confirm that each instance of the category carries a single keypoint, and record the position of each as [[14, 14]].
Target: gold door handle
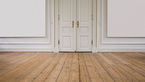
[[77, 24], [72, 24]]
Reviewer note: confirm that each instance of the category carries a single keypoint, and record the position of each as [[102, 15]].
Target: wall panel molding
[[125, 18], [114, 44], [19, 20], [32, 43], [19, 40]]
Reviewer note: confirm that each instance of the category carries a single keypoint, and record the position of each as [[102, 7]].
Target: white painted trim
[[56, 46], [123, 43], [121, 50], [99, 24], [26, 50], [52, 6], [25, 43], [34, 48], [94, 26]]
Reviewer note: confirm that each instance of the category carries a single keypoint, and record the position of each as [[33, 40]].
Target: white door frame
[[54, 23]]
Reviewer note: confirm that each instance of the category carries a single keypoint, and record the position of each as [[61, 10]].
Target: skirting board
[[50, 48], [26, 48], [121, 48]]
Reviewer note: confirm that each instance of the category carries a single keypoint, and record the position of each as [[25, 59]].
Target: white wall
[[46, 43], [117, 43], [126, 18], [19, 18], [36, 36]]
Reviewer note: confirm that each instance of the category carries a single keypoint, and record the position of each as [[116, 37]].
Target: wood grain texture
[[72, 67]]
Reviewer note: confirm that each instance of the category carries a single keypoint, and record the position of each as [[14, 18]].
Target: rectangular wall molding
[[116, 43], [22, 18], [36, 42], [125, 18]]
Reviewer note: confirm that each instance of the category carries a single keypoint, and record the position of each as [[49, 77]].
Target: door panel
[[66, 12], [84, 30], [75, 37]]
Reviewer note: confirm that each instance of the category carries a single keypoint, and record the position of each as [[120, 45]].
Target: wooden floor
[[72, 67]]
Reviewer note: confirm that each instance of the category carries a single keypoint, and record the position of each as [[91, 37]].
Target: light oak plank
[[72, 67]]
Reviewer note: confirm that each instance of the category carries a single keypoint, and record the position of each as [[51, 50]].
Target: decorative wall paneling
[[105, 43], [37, 43]]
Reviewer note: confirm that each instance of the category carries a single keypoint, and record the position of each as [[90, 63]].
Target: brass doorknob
[[72, 24], [77, 24]]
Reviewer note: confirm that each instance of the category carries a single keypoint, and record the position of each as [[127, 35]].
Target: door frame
[[54, 23]]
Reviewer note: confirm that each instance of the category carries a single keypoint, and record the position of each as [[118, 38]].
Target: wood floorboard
[[72, 67], [47, 71], [57, 70], [65, 72]]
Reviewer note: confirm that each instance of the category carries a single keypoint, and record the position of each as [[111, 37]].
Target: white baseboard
[[49, 48], [26, 48], [121, 48]]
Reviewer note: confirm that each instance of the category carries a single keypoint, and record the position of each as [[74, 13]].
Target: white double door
[[75, 25]]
